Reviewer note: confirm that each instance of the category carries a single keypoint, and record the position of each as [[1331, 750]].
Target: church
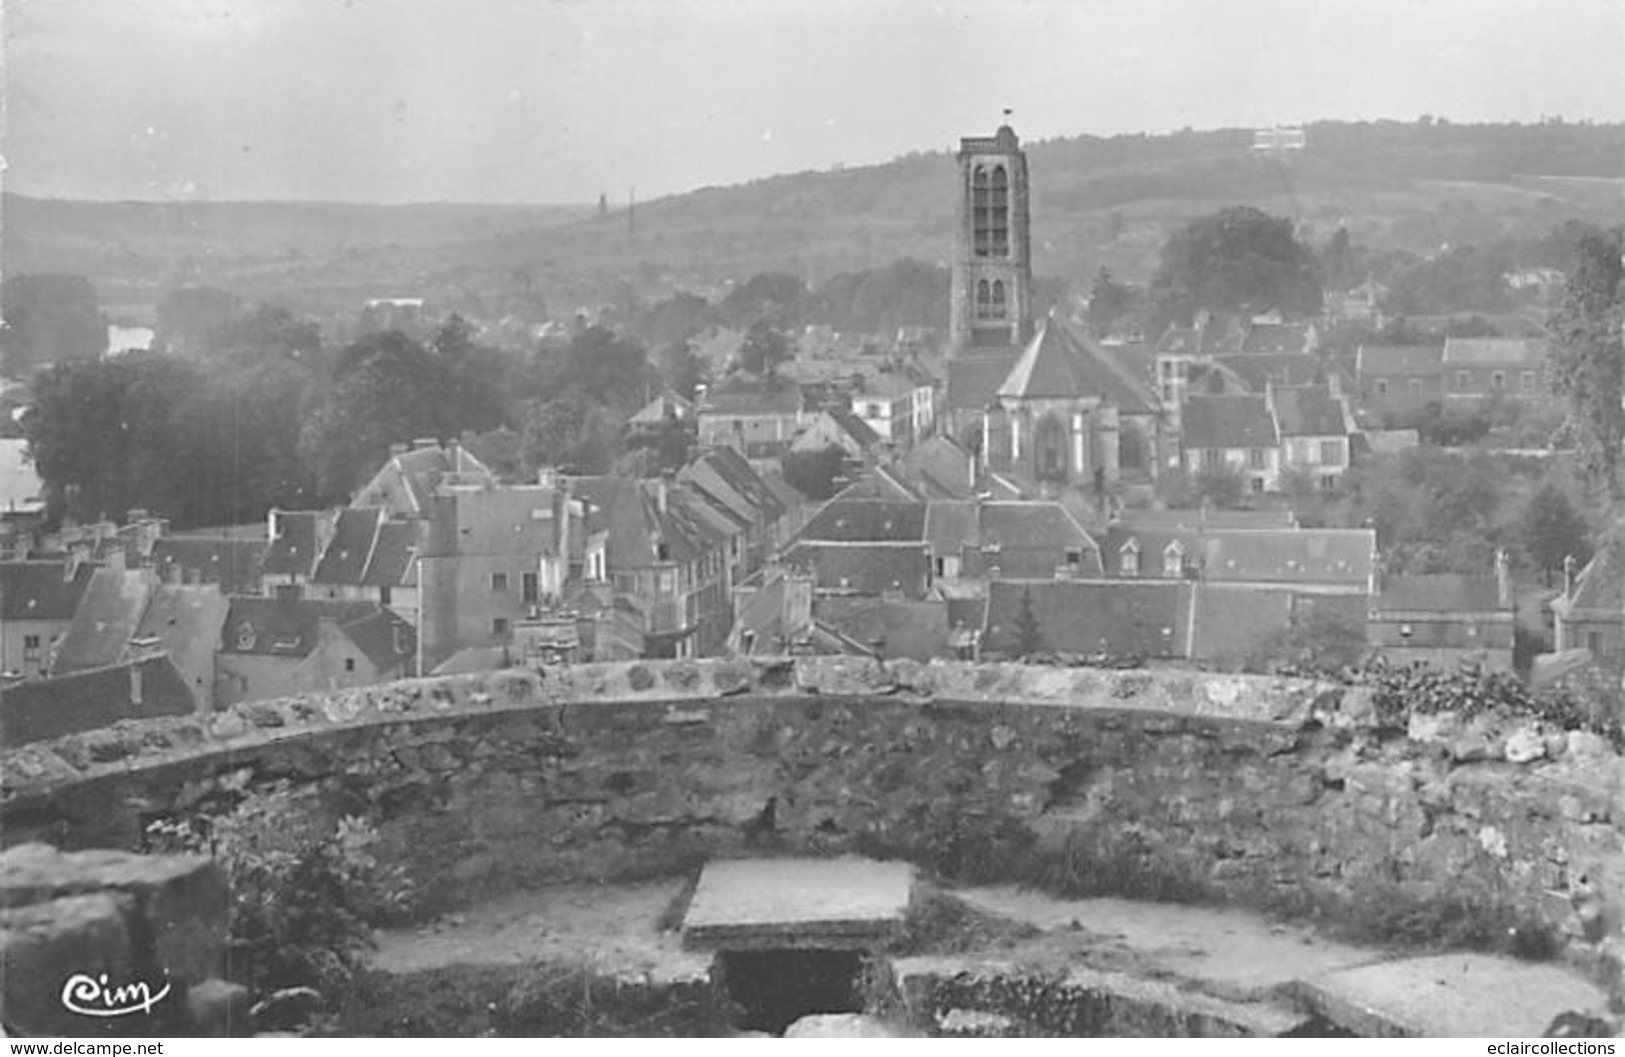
[[1037, 397]]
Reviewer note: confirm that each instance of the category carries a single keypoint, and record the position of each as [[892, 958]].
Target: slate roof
[[951, 525], [860, 431], [1233, 621], [1279, 368], [36, 590], [1421, 361], [1331, 557], [1228, 422], [940, 467], [1275, 517], [1308, 411], [868, 568], [406, 484], [867, 519], [1061, 362], [391, 563], [915, 629], [973, 381], [1125, 618], [1035, 525], [290, 627], [727, 477], [345, 559], [106, 620], [293, 551], [746, 394], [92, 699], [1439, 593], [667, 407], [1180, 341], [1494, 352], [1277, 337], [234, 564], [628, 516]]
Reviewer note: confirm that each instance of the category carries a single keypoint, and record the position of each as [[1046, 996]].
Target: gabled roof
[[1439, 593], [864, 567], [407, 483], [940, 468], [1309, 411], [1125, 617], [1280, 368], [91, 699], [234, 564], [293, 550], [346, 555], [860, 431], [392, 561], [1274, 518], [629, 519], [1277, 337], [1061, 362], [1330, 557], [1036, 525], [290, 627], [1494, 352], [874, 520], [1228, 422], [667, 407], [1232, 621], [915, 629], [727, 477], [106, 619], [1421, 361], [36, 590], [1180, 341], [746, 394]]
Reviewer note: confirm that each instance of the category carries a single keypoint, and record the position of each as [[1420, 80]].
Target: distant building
[[1399, 380], [37, 602], [1509, 368], [282, 647], [1590, 613], [1445, 620], [1237, 433]]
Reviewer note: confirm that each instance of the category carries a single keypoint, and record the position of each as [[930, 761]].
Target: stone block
[[843, 676], [76, 941], [1525, 745], [218, 1010]]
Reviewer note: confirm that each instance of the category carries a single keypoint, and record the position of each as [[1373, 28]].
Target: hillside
[[1096, 201]]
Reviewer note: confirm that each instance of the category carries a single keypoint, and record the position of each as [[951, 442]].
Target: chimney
[[398, 449], [547, 477], [1334, 384], [424, 443], [660, 495], [1503, 579], [135, 685], [1568, 576], [563, 529]]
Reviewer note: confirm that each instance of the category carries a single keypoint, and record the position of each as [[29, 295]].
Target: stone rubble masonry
[[137, 919], [1268, 791]]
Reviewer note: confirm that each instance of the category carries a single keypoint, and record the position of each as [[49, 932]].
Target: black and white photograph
[[762, 519]]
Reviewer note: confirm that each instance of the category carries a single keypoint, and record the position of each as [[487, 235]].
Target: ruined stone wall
[[1267, 792]]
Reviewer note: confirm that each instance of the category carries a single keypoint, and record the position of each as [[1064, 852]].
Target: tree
[[776, 297], [570, 432], [1236, 259], [814, 473], [1586, 365], [387, 389], [1222, 485], [764, 348], [1029, 632], [1109, 302], [189, 316], [682, 370], [1552, 530], [48, 319], [609, 369]]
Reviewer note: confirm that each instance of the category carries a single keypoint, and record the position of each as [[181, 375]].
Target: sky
[[557, 101]]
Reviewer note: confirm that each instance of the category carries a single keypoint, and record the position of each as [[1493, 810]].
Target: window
[[1594, 642], [30, 647], [998, 299], [288, 591], [383, 596], [1258, 485], [349, 664], [1173, 560], [499, 626], [1526, 381], [529, 587], [1212, 458], [1498, 379], [1382, 387], [990, 211], [499, 582], [1328, 482], [1128, 562], [1463, 382], [1416, 387], [1255, 459], [1331, 452]]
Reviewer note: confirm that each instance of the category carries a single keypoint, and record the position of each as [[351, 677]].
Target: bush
[[305, 897]]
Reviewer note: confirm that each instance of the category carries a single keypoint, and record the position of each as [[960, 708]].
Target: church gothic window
[[990, 211]]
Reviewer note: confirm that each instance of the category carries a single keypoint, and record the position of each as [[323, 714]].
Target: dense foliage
[[1234, 260], [48, 319]]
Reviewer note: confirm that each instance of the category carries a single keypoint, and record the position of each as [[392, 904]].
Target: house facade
[[1237, 433]]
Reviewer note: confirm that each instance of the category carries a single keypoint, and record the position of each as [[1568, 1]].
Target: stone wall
[[1267, 792]]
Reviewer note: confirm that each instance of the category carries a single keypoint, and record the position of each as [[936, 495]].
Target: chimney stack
[[1569, 565], [1503, 578]]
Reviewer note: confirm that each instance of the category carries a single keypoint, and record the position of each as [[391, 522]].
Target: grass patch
[[939, 923]]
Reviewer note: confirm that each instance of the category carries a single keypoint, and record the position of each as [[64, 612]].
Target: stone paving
[[744, 904]]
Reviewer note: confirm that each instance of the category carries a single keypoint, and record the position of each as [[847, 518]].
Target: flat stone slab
[[759, 904], [1450, 996]]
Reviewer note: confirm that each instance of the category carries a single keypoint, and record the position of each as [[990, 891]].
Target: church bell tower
[[992, 268]]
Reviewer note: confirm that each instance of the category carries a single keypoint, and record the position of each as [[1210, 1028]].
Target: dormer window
[[1173, 559], [246, 636], [1128, 559]]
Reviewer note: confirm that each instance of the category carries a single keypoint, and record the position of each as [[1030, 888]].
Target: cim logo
[[92, 997]]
